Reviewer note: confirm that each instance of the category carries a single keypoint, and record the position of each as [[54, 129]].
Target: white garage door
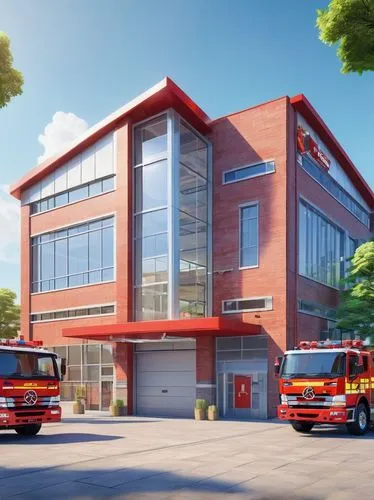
[[165, 383]]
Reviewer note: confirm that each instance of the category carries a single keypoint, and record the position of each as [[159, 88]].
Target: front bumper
[[333, 415], [13, 417]]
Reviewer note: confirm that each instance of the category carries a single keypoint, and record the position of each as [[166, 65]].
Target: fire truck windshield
[[313, 364], [27, 365]]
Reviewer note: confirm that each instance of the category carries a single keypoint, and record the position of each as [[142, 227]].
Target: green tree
[[356, 311], [11, 80], [9, 314], [349, 23]]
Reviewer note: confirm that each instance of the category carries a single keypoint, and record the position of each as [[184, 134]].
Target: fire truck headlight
[[339, 400], [4, 415], [284, 399]]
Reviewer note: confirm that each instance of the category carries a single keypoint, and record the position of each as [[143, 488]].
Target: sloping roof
[[158, 98], [167, 94], [304, 107]]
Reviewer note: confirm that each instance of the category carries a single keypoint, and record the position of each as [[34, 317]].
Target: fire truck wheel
[[361, 423], [303, 427], [28, 430]]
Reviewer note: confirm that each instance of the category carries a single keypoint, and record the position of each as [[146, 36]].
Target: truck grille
[[319, 402]]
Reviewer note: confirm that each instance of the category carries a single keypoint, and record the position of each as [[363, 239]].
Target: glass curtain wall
[[172, 219]]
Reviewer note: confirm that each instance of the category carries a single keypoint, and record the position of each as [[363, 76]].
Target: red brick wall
[[205, 360], [119, 203], [123, 355], [247, 137]]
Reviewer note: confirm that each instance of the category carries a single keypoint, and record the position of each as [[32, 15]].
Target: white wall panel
[[48, 186], [94, 163], [61, 179], [104, 157], [74, 172], [88, 165]]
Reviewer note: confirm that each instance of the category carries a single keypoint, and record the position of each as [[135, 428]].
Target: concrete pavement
[[97, 456]]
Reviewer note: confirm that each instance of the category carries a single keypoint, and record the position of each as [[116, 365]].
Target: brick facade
[[262, 133]]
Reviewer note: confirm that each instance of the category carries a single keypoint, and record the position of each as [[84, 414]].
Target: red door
[[243, 391]]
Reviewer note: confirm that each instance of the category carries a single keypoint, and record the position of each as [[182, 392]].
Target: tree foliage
[[11, 80], [9, 314], [356, 311], [349, 23]]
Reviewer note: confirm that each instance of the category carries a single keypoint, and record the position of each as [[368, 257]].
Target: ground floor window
[[90, 366]]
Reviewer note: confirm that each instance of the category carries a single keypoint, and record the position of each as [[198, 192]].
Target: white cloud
[[60, 132], [9, 226]]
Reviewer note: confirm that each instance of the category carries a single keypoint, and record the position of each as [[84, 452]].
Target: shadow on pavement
[[63, 438], [335, 433], [110, 420]]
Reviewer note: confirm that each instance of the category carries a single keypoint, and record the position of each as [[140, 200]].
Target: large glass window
[[193, 225], [321, 247], [73, 195], [75, 256], [151, 220], [170, 227], [249, 236]]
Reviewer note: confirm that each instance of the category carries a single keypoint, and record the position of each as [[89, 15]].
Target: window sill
[[248, 267], [73, 287]]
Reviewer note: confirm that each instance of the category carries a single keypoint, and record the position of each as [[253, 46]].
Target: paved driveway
[[96, 456]]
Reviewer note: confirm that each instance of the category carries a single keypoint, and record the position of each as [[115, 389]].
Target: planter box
[[212, 414], [200, 414], [78, 408]]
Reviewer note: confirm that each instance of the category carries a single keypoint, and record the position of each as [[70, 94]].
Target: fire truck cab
[[29, 386], [327, 383]]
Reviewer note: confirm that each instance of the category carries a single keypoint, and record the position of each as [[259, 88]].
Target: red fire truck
[[327, 383], [29, 386]]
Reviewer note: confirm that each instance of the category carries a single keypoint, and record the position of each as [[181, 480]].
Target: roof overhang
[[165, 94], [164, 330], [304, 107]]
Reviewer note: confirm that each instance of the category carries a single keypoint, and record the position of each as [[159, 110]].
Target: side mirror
[[360, 369], [63, 367], [277, 365]]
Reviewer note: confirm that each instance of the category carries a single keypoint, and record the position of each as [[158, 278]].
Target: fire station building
[[169, 256]]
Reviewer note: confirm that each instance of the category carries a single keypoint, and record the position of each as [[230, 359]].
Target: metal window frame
[[38, 245], [241, 207], [315, 314], [343, 243], [268, 304], [242, 167], [174, 120]]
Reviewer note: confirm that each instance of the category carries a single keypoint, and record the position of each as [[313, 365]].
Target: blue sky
[[89, 57]]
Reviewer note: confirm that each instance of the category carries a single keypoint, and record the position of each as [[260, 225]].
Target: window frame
[[66, 228], [249, 165], [317, 211], [75, 188], [269, 306], [241, 207]]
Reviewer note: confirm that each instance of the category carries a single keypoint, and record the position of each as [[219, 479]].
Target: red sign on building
[[242, 391], [305, 144]]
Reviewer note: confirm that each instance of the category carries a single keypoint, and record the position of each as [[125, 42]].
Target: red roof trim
[[304, 107], [166, 92], [182, 327]]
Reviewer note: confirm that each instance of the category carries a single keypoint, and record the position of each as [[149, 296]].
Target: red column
[[123, 365], [206, 369]]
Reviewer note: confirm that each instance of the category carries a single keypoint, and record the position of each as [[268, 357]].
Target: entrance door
[[166, 383], [242, 391]]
